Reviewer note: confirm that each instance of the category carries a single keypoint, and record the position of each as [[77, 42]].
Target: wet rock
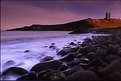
[[52, 46], [65, 51], [115, 66], [55, 75], [28, 76], [47, 58], [41, 74], [63, 67], [84, 50], [115, 76], [72, 43], [54, 64], [68, 57], [73, 70], [73, 63], [83, 76], [84, 65], [13, 71], [119, 53], [101, 52], [97, 62], [84, 60], [8, 64], [110, 58], [91, 55], [79, 55], [27, 51]]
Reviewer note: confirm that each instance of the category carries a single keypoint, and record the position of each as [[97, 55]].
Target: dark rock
[[84, 50], [73, 63], [63, 67], [91, 55], [83, 76], [65, 51], [41, 74], [47, 58], [115, 66], [97, 62], [73, 70], [110, 58], [84, 60], [72, 43], [27, 51], [13, 71], [79, 55], [28, 76], [55, 75], [68, 57], [115, 76], [84, 65], [101, 52], [119, 53], [8, 64], [54, 64], [52, 46]]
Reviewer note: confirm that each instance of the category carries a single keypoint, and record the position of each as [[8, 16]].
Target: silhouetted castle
[[107, 15]]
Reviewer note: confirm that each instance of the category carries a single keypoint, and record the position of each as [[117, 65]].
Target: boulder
[[119, 53], [8, 64], [55, 75], [47, 58], [83, 76], [54, 64], [73, 70], [73, 63], [115, 76], [66, 50], [28, 76], [91, 55], [115, 66], [68, 57], [13, 71]]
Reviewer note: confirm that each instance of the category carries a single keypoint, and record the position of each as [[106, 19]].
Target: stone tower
[[107, 15]]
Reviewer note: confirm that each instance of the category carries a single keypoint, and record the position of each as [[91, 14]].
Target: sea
[[15, 43]]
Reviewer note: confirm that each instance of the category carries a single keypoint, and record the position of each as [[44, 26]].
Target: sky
[[19, 13]]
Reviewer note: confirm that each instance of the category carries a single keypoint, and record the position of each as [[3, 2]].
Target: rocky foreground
[[97, 58]]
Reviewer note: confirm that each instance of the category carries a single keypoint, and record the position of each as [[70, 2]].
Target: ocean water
[[14, 44]]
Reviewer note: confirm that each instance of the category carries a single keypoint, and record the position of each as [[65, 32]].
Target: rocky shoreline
[[97, 58]]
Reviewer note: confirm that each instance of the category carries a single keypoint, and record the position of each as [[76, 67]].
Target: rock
[[68, 57], [84, 65], [91, 55], [52, 46], [63, 67], [84, 50], [13, 71], [28, 76], [73, 70], [47, 58], [41, 74], [110, 58], [65, 51], [97, 62], [27, 51], [79, 55], [73, 63], [83, 76], [54, 64], [72, 43], [100, 52], [115, 66], [8, 64], [55, 75], [115, 76], [119, 53], [84, 60]]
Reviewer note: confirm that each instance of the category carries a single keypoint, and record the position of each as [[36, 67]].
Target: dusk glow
[[19, 13]]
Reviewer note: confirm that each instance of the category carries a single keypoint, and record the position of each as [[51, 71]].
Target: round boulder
[[47, 58], [82, 76], [54, 64]]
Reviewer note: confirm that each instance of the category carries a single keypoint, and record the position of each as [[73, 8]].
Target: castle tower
[[107, 15]]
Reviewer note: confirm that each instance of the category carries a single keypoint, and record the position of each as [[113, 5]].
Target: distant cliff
[[74, 26]]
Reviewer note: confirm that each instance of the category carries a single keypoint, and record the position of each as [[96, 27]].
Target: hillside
[[72, 26]]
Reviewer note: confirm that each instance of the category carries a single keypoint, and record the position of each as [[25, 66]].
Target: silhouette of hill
[[77, 25]]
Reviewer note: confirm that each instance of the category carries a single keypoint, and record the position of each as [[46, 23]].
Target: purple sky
[[18, 13]]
